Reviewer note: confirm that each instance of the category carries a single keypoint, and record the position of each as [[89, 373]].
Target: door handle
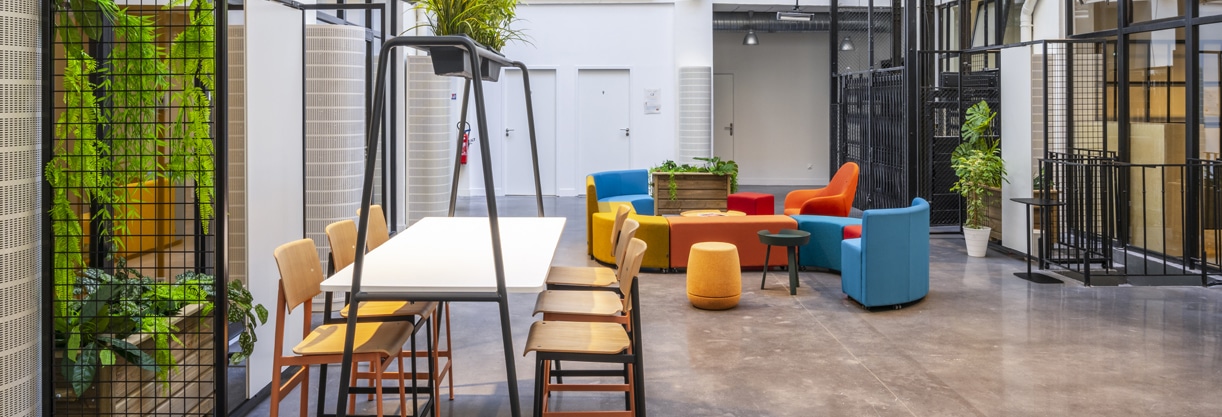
[[507, 130], [626, 132], [730, 128]]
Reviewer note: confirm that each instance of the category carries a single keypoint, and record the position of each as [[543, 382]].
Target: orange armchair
[[836, 199]]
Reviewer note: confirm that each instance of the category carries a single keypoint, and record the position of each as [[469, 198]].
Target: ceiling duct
[[767, 22]]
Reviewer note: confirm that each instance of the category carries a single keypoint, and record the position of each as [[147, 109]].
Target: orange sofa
[[742, 231]]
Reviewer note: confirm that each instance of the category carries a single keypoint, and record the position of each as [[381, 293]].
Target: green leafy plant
[[978, 164], [714, 165], [111, 308], [485, 21]]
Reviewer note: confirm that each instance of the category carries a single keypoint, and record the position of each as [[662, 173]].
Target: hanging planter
[[449, 61]]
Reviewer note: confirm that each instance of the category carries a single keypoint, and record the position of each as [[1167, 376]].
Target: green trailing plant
[[110, 308], [487, 22], [714, 165], [978, 164]]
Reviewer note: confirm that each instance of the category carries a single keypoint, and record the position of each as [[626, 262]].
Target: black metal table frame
[[1045, 204], [476, 54]]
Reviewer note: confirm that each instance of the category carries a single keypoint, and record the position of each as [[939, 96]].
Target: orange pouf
[[714, 278]]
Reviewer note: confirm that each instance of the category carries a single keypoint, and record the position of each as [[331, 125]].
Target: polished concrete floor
[[982, 343]]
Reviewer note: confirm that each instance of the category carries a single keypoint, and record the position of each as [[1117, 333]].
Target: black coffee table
[[790, 239], [1037, 277]]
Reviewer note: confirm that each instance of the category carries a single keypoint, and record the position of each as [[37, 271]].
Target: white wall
[[1048, 20], [567, 37], [274, 198], [780, 105], [1015, 113]]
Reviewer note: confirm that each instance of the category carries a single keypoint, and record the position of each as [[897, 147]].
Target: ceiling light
[[795, 15], [750, 39], [846, 44]]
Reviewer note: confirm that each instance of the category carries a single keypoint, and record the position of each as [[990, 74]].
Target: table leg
[[767, 252], [793, 270], [511, 372]]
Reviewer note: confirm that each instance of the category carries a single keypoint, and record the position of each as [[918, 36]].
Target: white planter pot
[[977, 241]]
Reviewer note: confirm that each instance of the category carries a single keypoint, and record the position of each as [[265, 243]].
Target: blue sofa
[[826, 233], [889, 263], [630, 185]]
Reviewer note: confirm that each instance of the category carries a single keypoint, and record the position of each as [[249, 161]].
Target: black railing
[[1150, 224], [874, 136]]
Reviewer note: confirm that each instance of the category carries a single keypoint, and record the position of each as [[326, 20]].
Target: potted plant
[[487, 22], [978, 164], [693, 187], [151, 326]]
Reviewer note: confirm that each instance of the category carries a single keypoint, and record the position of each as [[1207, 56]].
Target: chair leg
[[322, 389], [377, 387], [276, 394], [402, 389], [356, 366], [305, 391], [539, 383], [449, 353]]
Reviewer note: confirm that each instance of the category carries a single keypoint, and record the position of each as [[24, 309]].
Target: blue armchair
[[889, 263], [630, 185]]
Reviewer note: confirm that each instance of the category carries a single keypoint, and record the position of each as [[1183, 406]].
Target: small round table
[[711, 213], [790, 239], [1038, 277]]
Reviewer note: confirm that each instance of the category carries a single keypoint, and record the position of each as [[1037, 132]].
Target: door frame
[[733, 110], [581, 171]]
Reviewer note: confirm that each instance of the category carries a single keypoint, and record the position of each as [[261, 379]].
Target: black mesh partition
[[870, 107], [137, 302]]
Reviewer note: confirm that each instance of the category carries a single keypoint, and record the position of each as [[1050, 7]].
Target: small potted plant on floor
[[487, 22], [978, 164]]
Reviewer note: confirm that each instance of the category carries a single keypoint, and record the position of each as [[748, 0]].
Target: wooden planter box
[[696, 191], [994, 215], [124, 389]]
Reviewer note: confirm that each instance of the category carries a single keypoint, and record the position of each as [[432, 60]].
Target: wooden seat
[[342, 237], [581, 303], [576, 277], [301, 275], [593, 342]]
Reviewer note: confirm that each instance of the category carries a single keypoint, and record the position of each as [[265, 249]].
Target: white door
[[723, 116], [519, 174], [603, 130]]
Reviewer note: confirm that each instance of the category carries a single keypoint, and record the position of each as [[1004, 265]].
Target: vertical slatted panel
[[20, 194], [335, 126], [695, 114], [430, 141]]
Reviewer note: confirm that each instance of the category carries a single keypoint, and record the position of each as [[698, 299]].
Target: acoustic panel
[[430, 141], [695, 104]]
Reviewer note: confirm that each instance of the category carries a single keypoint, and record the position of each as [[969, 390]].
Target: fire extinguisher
[[466, 140]]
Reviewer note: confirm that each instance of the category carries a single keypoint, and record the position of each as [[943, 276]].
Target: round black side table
[[790, 239]]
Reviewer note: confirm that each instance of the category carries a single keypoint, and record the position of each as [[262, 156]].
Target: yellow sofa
[[654, 230]]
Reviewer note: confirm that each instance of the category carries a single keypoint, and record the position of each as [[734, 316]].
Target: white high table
[[450, 259]]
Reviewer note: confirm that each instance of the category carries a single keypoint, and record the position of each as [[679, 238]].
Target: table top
[[711, 213], [784, 237], [1038, 201], [454, 254]]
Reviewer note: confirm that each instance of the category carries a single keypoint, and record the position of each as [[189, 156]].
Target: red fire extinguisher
[[466, 139]]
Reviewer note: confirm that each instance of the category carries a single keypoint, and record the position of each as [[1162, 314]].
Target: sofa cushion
[[852, 231], [826, 232], [625, 182], [641, 203], [742, 231]]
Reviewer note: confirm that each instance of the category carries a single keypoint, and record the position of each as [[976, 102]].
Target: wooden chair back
[[379, 233], [626, 235], [342, 237], [301, 273], [633, 255], [621, 214]]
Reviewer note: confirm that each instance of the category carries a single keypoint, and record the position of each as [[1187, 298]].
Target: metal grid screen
[[133, 184], [871, 115]]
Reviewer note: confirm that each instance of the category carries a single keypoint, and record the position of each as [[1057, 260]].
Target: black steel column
[[47, 272], [834, 91], [912, 77], [220, 218]]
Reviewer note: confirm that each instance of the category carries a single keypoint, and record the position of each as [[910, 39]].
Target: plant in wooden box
[[127, 332], [487, 22], [693, 187], [978, 164]]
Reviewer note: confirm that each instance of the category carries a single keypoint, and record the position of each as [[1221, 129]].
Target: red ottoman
[[751, 203]]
